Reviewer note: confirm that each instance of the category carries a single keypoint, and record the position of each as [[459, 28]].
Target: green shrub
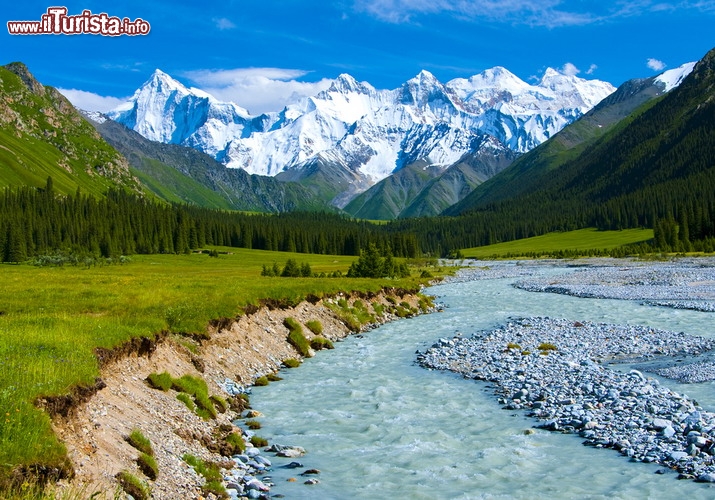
[[253, 424], [140, 442], [134, 486], [291, 363], [187, 400], [274, 377], [315, 326], [512, 345], [359, 304], [211, 473], [296, 337], [237, 442], [259, 442], [425, 302], [191, 385], [391, 300], [378, 308], [162, 381], [216, 488], [321, 342], [261, 381], [219, 403], [148, 465], [205, 408]]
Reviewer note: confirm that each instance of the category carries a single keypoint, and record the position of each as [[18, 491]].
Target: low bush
[[211, 473], [219, 403], [187, 400], [315, 326], [236, 441], [291, 363], [261, 381], [134, 486], [259, 442], [296, 337], [273, 377], [253, 424], [137, 439], [148, 465], [162, 381], [320, 342]]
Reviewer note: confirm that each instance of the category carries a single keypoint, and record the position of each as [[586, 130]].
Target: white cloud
[[259, 90], [570, 69], [591, 69], [223, 23], [529, 12], [90, 101], [655, 64]]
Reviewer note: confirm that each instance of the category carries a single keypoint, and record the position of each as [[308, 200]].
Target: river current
[[378, 426]]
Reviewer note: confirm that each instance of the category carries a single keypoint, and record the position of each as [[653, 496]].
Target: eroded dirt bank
[[240, 351]]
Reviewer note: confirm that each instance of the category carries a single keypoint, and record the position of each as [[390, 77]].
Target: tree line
[[37, 222]]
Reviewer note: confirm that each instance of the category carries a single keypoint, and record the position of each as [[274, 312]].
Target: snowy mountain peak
[[674, 77], [370, 132], [345, 83], [162, 83]]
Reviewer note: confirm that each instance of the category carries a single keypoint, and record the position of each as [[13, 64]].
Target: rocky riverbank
[[681, 284], [230, 360], [554, 369]]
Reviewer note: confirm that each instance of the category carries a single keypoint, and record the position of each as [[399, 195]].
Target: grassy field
[[51, 319], [582, 239]]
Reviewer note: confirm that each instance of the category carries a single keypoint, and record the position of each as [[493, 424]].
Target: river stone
[[659, 424], [708, 477], [256, 484], [668, 431], [678, 455]]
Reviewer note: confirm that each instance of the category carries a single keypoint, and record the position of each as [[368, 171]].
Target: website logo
[[56, 22]]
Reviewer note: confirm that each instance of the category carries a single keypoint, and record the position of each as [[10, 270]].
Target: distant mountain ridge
[[185, 175], [358, 135]]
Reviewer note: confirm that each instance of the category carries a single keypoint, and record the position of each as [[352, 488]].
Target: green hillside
[[42, 135], [581, 240]]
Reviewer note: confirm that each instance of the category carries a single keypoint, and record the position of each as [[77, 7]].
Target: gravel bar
[[554, 369], [684, 284]]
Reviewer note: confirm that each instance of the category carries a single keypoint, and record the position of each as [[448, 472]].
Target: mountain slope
[[369, 134], [530, 171], [655, 168], [181, 174], [421, 189], [42, 135]]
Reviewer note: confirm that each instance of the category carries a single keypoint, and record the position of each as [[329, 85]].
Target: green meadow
[[52, 319], [580, 240]]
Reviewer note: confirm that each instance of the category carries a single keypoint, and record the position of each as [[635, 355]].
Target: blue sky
[[263, 53]]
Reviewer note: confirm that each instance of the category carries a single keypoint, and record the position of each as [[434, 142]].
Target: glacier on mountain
[[371, 132]]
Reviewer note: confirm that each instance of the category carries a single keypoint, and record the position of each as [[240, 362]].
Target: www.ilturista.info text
[[56, 22]]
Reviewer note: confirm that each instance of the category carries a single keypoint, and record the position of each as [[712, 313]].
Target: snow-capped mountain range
[[370, 132]]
